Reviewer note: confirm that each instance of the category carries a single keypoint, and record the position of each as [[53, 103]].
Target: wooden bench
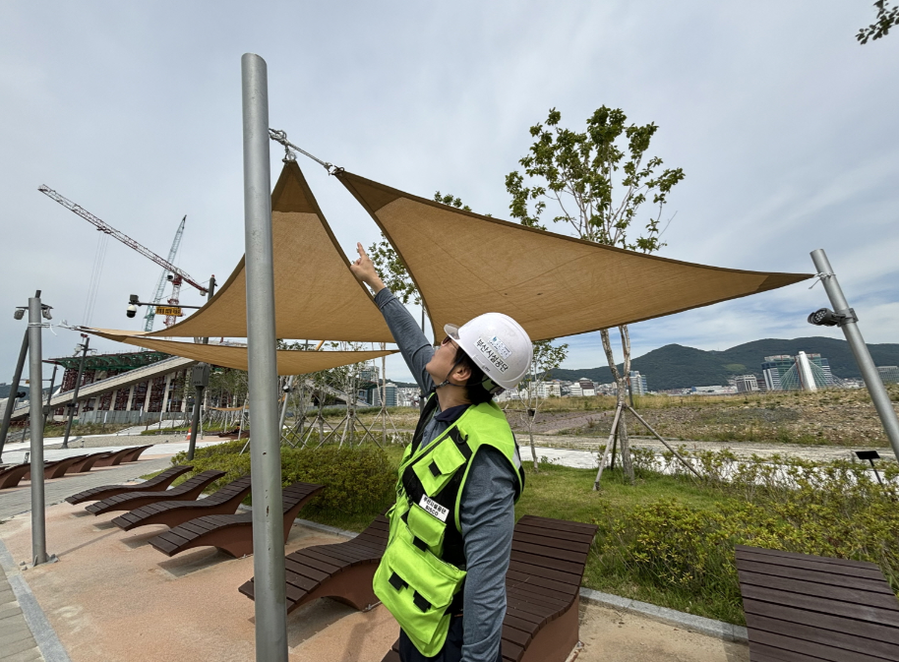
[[801, 607], [135, 453], [157, 483], [186, 491], [57, 468], [231, 533], [115, 458], [10, 476], [342, 571], [542, 590], [85, 463], [172, 513]]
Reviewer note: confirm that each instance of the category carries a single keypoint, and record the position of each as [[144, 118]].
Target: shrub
[[357, 480]]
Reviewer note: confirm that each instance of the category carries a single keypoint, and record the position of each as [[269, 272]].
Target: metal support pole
[[195, 423], [38, 523], [74, 404], [268, 526], [14, 389], [50, 394], [859, 349]]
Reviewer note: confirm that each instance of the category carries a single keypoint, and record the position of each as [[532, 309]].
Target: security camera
[[171, 276], [19, 313], [45, 311], [827, 317], [131, 311]]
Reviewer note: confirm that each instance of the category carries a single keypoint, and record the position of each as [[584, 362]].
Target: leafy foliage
[[355, 479], [887, 17], [582, 174]]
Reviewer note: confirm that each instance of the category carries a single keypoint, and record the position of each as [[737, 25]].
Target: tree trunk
[[621, 381], [533, 450]]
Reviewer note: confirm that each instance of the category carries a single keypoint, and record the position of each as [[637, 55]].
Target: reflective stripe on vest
[[421, 574]]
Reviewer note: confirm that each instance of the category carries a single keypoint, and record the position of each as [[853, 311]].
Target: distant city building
[[637, 383], [783, 373], [889, 374], [389, 398], [746, 383], [716, 389], [587, 387]]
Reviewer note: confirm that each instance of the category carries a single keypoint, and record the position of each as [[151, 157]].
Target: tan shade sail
[[290, 362], [316, 294], [465, 264]]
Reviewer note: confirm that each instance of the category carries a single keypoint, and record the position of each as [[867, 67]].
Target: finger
[[361, 250]]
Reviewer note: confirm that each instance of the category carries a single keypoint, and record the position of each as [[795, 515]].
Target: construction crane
[[175, 275], [160, 286]]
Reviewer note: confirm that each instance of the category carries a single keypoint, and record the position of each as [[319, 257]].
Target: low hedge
[[357, 480]]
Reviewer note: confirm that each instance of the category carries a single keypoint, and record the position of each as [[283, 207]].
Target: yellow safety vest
[[422, 572]]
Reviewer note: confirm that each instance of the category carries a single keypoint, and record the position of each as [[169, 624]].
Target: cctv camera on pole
[[844, 317]]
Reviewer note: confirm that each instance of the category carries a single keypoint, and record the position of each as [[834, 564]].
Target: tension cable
[[281, 137]]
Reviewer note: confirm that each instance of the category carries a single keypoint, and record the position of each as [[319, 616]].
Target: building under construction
[[164, 393]]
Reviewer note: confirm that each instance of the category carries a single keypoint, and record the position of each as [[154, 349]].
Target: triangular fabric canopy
[[465, 264], [316, 294], [290, 362]]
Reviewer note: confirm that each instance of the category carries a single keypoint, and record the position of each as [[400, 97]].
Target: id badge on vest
[[433, 508]]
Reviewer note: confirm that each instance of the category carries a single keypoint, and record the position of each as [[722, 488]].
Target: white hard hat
[[498, 345]]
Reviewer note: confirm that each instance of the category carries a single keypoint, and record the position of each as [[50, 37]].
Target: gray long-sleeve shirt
[[487, 507]]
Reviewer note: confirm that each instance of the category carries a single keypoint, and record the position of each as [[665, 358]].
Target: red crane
[[177, 277]]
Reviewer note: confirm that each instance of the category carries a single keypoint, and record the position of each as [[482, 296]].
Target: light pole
[[200, 378], [36, 310], [83, 346]]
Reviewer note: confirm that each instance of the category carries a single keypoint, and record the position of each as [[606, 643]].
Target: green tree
[[887, 17], [597, 182], [547, 357]]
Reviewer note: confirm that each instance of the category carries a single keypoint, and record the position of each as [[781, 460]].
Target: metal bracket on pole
[[847, 322], [268, 526]]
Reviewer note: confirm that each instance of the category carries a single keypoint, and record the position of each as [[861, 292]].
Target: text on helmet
[[491, 355]]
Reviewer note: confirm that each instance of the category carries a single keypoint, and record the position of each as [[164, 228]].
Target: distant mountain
[[676, 366]]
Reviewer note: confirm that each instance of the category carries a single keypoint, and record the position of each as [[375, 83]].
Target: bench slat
[[825, 622], [855, 642], [875, 585], [825, 593], [815, 605]]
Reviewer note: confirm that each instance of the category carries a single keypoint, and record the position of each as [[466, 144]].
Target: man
[[443, 573]]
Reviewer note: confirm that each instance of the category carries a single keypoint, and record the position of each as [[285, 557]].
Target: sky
[[783, 124]]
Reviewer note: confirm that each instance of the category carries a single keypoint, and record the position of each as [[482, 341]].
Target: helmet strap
[[449, 374]]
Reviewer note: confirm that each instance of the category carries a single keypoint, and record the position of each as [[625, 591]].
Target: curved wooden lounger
[[57, 468], [542, 590], [343, 571], [135, 453], [117, 457], [231, 533], [157, 483], [10, 476], [86, 463], [173, 513], [186, 491]]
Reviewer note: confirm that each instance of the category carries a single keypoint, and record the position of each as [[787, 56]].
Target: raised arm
[[413, 344]]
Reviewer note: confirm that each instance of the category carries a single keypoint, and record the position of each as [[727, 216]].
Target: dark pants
[[451, 651]]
